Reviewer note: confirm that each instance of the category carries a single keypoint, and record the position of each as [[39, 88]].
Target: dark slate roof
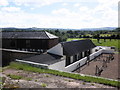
[[28, 35], [74, 47], [44, 59]]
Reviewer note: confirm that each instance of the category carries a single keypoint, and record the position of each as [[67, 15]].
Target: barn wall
[[39, 44], [21, 43], [6, 43], [34, 43], [52, 42]]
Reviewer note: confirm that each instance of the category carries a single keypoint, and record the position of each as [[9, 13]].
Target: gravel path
[[40, 80]]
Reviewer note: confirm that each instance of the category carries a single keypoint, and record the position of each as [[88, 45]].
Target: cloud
[[63, 12], [103, 15], [65, 4], [108, 2], [4, 3], [76, 5], [11, 9], [35, 3]]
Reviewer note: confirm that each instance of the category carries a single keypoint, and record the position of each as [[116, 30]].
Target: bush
[[43, 85]]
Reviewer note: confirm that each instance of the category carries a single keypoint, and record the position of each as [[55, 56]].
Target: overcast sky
[[74, 14]]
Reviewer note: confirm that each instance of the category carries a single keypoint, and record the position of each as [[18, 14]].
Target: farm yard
[[18, 75], [66, 44], [111, 70], [98, 67]]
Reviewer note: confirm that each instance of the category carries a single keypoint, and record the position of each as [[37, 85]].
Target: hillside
[[36, 80]]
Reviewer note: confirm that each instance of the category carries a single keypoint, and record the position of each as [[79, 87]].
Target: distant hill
[[103, 28], [34, 28]]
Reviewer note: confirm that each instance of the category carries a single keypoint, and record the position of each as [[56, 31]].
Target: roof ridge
[[29, 34], [46, 34], [50, 36], [74, 41]]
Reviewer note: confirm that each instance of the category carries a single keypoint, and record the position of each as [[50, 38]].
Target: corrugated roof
[[74, 47], [28, 35]]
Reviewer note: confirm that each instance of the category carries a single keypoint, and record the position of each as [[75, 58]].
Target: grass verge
[[27, 67]]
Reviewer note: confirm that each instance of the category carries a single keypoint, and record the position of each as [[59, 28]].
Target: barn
[[29, 41]]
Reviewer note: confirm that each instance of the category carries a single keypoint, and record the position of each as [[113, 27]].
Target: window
[[75, 58], [71, 59], [67, 60], [83, 54], [78, 56], [89, 52]]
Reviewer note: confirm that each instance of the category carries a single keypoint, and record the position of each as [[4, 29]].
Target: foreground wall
[[10, 55]]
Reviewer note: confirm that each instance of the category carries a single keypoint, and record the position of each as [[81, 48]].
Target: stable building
[[29, 40], [73, 50]]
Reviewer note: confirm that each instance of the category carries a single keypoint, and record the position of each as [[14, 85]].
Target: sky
[[67, 14]]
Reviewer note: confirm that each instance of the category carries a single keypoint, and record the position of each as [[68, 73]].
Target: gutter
[[33, 63]]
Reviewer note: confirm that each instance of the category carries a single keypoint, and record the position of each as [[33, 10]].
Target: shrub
[[43, 85]]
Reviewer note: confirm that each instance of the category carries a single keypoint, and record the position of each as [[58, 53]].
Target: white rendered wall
[[108, 50], [57, 50], [61, 65]]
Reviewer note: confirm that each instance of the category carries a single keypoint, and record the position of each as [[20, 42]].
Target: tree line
[[64, 34]]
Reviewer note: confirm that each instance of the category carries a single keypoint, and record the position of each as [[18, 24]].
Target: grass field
[[113, 42], [103, 35]]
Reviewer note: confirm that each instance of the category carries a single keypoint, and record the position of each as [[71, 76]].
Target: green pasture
[[105, 35], [108, 42]]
